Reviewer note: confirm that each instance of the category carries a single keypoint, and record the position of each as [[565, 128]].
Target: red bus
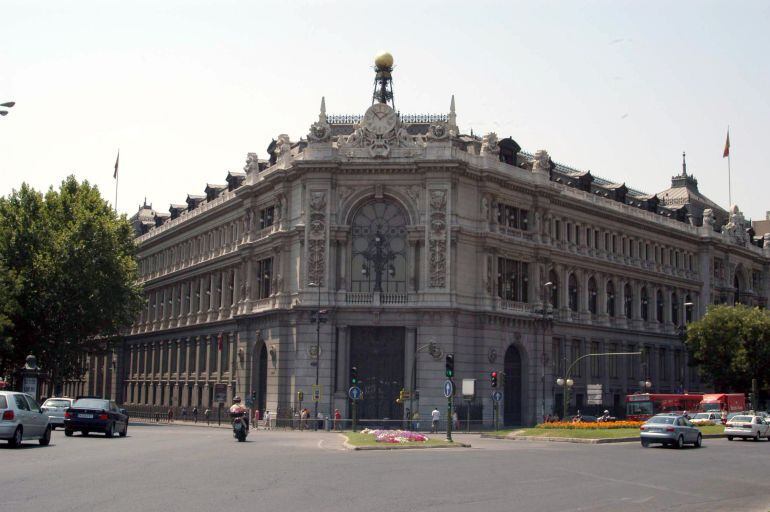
[[642, 406]]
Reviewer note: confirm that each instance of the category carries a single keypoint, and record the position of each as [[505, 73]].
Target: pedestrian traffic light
[[353, 376], [253, 395], [450, 365], [493, 378]]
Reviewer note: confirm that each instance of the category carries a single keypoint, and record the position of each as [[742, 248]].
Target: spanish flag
[[117, 160], [727, 146]]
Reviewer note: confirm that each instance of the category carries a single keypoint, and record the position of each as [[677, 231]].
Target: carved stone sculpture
[[489, 144], [252, 163], [542, 163], [437, 238]]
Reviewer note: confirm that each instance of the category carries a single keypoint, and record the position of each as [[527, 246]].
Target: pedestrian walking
[[303, 419], [268, 416], [170, 415], [195, 414], [416, 421], [319, 424], [184, 413], [256, 418], [435, 416], [455, 420], [207, 414], [337, 419]]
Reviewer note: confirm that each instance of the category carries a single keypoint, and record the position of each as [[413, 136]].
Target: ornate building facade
[[415, 241]]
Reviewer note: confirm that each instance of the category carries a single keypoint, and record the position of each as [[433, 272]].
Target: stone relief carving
[[489, 144], [438, 132], [542, 162], [344, 192], [280, 200], [317, 238], [379, 131], [320, 131], [437, 235]]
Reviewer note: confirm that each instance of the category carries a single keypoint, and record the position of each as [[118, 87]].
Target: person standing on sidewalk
[[195, 414], [170, 415], [184, 413], [337, 419], [207, 414], [435, 416]]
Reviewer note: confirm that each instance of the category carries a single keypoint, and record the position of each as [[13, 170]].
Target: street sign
[[469, 388], [316, 393], [354, 393], [594, 394], [220, 393], [449, 388], [497, 396]]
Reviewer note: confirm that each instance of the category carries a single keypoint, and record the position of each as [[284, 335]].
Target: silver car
[[670, 429], [55, 408], [22, 418]]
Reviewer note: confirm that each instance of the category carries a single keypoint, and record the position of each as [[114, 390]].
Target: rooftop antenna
[[684, 164]]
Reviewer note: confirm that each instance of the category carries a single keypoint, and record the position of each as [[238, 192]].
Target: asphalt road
[[186, 468]]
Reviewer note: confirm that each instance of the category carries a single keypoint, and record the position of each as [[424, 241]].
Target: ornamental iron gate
[[378, 354]]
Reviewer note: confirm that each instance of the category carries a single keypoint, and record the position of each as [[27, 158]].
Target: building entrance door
[[378, 354]]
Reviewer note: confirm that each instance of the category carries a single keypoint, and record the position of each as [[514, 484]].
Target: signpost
[[469, 391], [497, 396], [449, 391], [355, 395], [316, 393]]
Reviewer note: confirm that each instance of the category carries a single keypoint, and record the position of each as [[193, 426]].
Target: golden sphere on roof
[[383, 60]]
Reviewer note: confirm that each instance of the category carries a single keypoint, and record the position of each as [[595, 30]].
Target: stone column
[[409, 359], [201, 299], [223, 299], [601, 298], [212, 295], [667, 320], [236, 291]]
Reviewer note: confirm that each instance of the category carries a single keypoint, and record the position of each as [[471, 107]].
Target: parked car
[[670, 429], [95, 415], [747, 426], [54, 408], [21, 418]]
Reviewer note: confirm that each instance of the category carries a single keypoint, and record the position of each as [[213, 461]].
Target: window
[[606, 241], [613, 361], [596, 239], [266, 217], [645, 305], [578, 369], [610, 298], [659, 307], [573, 293], [589, 241], [378, 232], [632, 363], [512, 217], [662, 367], [594, 360], [557, 227], [592, 295], [569, 232], [264, 276], [628, 300], [512, 279], [675, 309], [558, 354], [554, 279]]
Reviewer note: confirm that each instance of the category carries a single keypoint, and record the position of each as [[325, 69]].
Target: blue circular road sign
[[449, 388], [497, 396], [354, 393]]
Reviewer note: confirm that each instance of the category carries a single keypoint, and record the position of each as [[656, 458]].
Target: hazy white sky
[[186, 89]]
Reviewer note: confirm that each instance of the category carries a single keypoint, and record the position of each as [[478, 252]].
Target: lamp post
[[546, 287], [567, 382], [7, 104], [317, 398]]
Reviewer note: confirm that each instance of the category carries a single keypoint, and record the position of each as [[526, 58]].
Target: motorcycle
[[240, 429]]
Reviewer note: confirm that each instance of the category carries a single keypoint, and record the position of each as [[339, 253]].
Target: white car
[[703, 417], [55, 408], [21, 418], [747, 426]]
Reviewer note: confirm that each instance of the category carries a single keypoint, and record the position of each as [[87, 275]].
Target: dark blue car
[[95, 415]]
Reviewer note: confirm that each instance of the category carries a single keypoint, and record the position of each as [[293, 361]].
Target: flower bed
[[590, 426], [395, 436], [702, 423]]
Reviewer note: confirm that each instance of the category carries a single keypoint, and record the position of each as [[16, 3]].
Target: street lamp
[[317, 351], [545, 288], [7, 104], [567, 385]]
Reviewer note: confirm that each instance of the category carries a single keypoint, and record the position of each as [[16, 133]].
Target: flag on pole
[[117, 160], [727, 146]]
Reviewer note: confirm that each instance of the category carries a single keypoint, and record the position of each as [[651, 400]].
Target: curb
[[579, 440], [402, 447]]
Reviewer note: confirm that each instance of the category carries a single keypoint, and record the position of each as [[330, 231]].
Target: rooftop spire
[[684, 164], [383, 81], [322, 115], [452, 117]]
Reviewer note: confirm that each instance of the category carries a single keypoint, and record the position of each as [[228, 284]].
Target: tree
[[74, 266], [732, 345]]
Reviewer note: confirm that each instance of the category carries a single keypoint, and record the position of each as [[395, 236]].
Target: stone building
[[416, 240]]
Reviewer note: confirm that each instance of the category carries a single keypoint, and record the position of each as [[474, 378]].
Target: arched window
[[554, 299], [645, 305], [737, 286], [688, 305], [378, 256], [628, 301], [659, 307], [592, 295], [610, 298], [675, 309], [573, 293]]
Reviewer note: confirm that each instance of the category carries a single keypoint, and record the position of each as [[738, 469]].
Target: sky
[[185, 89]]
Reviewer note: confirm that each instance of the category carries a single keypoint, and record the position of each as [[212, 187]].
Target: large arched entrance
[[513, 387]]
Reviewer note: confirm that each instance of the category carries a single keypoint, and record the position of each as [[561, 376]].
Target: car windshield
[[91, 403], [710, 407], [702, 416], [665, 420], [3, 403], [53, 402], [634, 408], [741, 418]]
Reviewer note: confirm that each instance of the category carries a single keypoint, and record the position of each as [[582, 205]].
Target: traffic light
[[353, 376], [493, 378], [450, 365], [253, 395], [300, 396]]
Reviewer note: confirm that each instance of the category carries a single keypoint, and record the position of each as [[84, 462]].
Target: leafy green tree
[[732, 345], [74, 264]]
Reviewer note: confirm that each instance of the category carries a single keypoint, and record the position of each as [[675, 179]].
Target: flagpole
[[729, 184], [116, 192]]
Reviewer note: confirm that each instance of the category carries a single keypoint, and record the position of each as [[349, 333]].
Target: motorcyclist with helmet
[[238, 410]]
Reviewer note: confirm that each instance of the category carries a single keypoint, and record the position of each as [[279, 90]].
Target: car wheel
[[699, 441], [109, 430], [729, 438], [756, 437], [679, 442], [68, 432], [18, 435], [46, 439], [84, 432], [124, 431], [645, 443]]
